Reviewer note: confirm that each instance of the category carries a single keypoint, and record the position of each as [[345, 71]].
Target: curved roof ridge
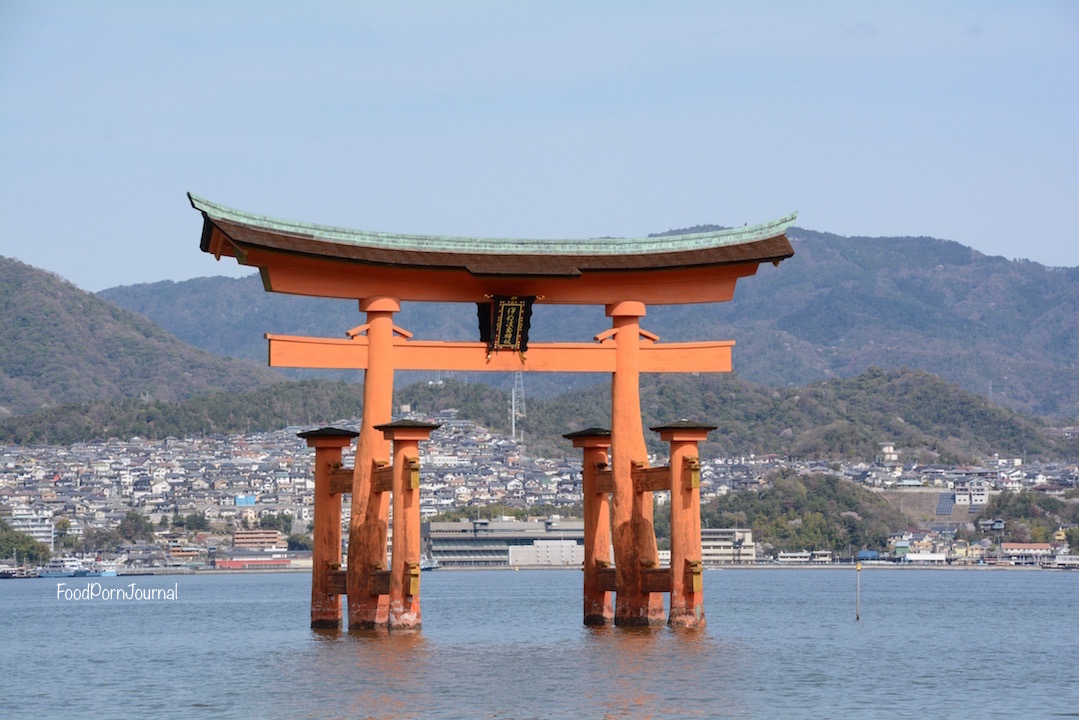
[[492, 245]]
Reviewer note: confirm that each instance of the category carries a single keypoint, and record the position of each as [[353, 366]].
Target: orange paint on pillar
[[326, 548], [687, 591], [369, 524], [404, 597], [598, 606], [631, 512]]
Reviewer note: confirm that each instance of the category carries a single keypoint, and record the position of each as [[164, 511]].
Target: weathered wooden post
[[598, 573], [635, 548], [404, 590], [687, 589], [369, 523], [326, 553]]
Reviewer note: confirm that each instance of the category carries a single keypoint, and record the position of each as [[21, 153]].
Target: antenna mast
[[517, 403]]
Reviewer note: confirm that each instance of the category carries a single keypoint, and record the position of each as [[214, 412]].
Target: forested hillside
[[929, 419], [819, 512], [61, 345]]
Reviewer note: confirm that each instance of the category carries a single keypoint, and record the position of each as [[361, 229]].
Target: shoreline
[[756, 567], [707, 568]]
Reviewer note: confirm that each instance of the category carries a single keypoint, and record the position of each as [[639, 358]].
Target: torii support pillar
[[598, 573], [404, 590], [687, 589], [326, 553], [369, 523], [635, 550]]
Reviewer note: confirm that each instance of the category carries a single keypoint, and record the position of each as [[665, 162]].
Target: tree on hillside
[[20, 546], [282, 522], [135, 527]]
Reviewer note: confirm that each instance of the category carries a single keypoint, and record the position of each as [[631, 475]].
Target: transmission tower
[[517, 404]]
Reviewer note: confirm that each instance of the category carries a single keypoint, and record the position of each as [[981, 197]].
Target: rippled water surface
[[501, 644]]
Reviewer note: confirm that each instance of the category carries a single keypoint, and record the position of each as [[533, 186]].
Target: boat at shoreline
[[63, 567], [104, 568]]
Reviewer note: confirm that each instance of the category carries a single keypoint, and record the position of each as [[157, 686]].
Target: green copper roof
[[499, 246]]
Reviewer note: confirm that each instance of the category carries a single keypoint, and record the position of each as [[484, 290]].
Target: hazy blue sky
[[957, 120]]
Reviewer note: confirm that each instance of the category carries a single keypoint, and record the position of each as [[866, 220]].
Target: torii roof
[[483, 264]]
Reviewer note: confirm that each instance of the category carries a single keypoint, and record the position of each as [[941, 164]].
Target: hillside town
[[232, 484]]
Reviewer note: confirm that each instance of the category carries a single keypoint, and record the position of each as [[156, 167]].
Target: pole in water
[[858, 591]]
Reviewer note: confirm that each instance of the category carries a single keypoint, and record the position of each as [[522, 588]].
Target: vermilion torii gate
[[503, 277]]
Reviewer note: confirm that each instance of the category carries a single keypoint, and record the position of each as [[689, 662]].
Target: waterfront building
[[487, 543], [1026, 553], [728, 546], [547, 553]]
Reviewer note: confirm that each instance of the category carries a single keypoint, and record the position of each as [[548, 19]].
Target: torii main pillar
[[631, 511], [368, 607]]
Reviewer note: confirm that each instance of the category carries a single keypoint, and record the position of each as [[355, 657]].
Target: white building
[[547, 553], [728, 546], [36, 524]]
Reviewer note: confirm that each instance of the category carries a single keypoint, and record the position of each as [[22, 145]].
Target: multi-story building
[[728, 546], [258, 540], [1026, 553], [487, 543], [35, 523]]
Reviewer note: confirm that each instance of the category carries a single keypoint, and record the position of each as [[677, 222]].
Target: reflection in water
[[511, 645], [521, 653], [657, 672], [370, 674], [618, 661]]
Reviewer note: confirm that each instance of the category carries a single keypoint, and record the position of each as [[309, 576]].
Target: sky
[[955, 120]]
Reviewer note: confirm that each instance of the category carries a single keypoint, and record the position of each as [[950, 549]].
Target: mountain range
[[1002, 329], [839, 348], [60, 345]]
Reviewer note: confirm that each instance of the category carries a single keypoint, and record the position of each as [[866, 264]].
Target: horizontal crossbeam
[[334, 353], [337, 582], [382, 477], [340, 480], [656, 580], [651, 479]]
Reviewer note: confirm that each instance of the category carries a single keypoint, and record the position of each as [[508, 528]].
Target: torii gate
[[503, 277]]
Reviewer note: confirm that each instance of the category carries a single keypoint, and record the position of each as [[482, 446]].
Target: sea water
[[779, 643]]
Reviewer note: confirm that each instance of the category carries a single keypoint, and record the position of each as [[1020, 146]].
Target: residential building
[[258, 540]]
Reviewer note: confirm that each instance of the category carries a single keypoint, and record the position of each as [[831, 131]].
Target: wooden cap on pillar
[[590, 437], [683, 431], [626, 308], [407, 429], [327, 437], [380, 303]]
